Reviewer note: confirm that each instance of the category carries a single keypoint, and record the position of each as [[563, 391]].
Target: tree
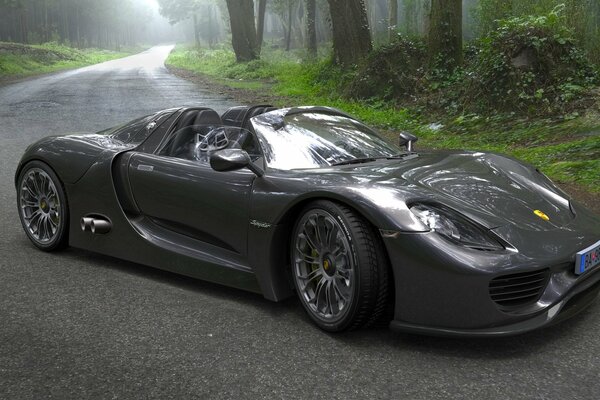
[[260, 23], [311, 28], [351, 34], [243, 31], [445, 33], [409, 10], [180, 10], [392, 19], [285, 11]]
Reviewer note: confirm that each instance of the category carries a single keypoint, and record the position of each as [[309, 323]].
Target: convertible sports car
[[310, 200]]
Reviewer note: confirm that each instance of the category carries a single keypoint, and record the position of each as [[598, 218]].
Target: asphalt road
[[80, 325]]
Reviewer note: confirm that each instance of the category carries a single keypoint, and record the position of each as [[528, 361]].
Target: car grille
[[516, 290]]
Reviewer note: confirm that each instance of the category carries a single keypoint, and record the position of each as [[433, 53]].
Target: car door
[[189, 197]]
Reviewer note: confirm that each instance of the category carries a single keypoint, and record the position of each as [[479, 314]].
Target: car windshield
[[316, 140]]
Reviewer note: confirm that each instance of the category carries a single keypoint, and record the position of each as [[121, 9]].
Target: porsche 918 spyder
[[312, 201]]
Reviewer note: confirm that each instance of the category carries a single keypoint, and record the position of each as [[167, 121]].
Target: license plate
[[587, 259]]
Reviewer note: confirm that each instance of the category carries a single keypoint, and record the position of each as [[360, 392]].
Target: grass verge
[[566, 149], [17, 60]]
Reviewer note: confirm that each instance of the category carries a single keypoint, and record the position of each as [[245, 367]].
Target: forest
[[78, 23], [535, 57], [505, 75]]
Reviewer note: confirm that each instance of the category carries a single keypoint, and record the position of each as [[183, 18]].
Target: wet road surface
[[78, 325]]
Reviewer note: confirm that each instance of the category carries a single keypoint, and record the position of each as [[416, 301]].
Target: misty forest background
[[519, 77]]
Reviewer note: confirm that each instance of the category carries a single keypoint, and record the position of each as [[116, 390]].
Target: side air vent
[[509, 291]]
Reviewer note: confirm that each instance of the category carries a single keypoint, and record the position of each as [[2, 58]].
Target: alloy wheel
[[40, 205], [324, 267]]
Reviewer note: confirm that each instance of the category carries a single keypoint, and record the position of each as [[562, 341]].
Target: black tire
[[314, 263], [41, 192]]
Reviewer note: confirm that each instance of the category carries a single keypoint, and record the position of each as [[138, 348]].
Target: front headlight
[[455, 227]]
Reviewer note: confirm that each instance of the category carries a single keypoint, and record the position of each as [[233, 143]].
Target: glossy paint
[[234, 227]]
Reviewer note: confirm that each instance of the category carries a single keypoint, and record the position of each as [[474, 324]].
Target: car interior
[[201, 130], [240, 117], [192, 123]]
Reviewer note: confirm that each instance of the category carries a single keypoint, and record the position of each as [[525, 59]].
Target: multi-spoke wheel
[[338, 267], [42, 206]]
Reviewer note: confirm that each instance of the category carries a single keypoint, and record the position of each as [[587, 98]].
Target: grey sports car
[[312, 201]]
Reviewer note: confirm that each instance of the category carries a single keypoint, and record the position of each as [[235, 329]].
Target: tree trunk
[[445, 33], [23, 24], [211, 34], [46, 25], [196, 31], [350, 28], [410, 16], [65, 24], [392, 19], [288, 36], [243, 32], [78, 22], [298, 31], [311, 29], [260, 23]]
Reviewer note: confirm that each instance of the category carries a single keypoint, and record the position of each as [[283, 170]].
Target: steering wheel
[[213, 140]]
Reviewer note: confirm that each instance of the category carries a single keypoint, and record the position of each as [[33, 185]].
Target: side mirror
[[231, 160], [407, 140]]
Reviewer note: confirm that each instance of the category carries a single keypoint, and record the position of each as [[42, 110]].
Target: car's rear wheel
[[339, 268], [42, 206]]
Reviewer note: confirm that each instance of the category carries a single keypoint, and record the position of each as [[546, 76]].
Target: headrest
[[208, 117], [186, 119], [234, 116], [240, 115]]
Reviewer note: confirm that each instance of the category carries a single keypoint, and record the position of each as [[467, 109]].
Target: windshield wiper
[[355, 161], [370, 159], [401, 155]]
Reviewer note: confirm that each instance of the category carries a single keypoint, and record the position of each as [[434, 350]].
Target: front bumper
[[568, 307], [444, 290]]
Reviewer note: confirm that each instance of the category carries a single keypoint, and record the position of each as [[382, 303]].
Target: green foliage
[[529, 65], [393, 72], [581, 16], [21, 60], [576, 161], [222, 63], [292, 81]]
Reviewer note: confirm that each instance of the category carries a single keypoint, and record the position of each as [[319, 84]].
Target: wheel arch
[[291, 215], [69, 156], [24, 163], [283, 236]]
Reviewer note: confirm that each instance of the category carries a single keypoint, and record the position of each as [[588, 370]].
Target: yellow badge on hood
[[541, 214]]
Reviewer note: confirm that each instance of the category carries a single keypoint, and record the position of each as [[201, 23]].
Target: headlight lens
[[455, 228]]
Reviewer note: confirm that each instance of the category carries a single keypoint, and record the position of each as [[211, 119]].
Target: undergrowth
[[22, 60], [530, 65]]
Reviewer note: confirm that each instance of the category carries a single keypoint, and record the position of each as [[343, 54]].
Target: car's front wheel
[[338, 267], [42, 205]]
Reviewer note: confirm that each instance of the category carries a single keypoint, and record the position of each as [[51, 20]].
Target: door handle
[[144, 167]]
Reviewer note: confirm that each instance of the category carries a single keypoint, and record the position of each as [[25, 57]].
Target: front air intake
[[515, 290]]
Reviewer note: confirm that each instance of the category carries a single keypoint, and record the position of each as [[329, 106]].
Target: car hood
[[492, 189]]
